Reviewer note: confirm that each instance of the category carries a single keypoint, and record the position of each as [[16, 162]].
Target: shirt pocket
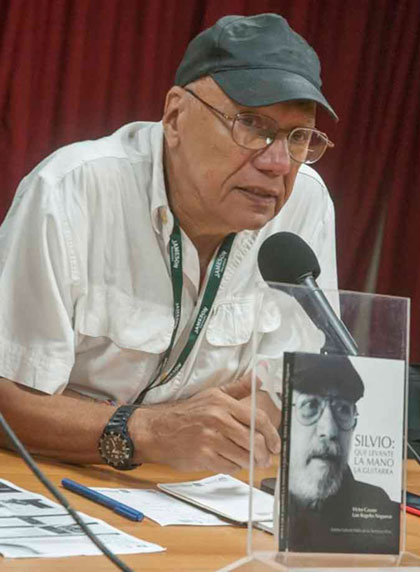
[[233, 322], [129, 322], [226, 348]]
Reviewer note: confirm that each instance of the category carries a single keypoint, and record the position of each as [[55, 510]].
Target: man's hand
[[209, 431]]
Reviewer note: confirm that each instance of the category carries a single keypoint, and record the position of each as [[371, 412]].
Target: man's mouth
[[329, 453], [328, 457], [259, 193]]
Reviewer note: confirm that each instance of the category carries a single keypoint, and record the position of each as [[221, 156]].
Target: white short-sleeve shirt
[[85, 284]]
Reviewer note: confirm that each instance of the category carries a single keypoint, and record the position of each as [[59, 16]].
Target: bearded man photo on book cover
[[329, 510]]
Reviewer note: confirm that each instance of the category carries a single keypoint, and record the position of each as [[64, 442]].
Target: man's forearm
[[54, 425], [208, 431]]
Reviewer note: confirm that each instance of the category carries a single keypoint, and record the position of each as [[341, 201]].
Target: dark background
[[79, 69]]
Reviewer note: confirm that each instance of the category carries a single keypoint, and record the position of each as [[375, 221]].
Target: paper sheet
[[267, 526], [162, 508], [33, 526], [225, 496]]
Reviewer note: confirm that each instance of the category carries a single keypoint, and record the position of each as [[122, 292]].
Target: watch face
[[116, 449]]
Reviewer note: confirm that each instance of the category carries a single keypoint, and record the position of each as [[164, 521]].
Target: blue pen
[[118, 507]]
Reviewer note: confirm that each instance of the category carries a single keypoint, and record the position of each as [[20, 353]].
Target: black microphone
[[286, 258]]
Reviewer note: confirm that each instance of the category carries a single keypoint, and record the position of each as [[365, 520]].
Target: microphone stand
[[338, 338]]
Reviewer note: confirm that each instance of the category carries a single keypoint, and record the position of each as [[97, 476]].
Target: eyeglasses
[[256, 131], [309, 409]]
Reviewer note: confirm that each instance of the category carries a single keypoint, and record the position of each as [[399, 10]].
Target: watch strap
[[120, 418], [118, 424]]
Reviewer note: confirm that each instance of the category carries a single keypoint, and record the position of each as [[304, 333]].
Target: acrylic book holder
[[286, 324]]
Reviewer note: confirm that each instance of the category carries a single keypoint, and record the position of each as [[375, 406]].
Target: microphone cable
[[60, 497], [413, 451]]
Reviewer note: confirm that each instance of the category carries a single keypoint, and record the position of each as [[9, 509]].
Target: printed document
[[33, 526]]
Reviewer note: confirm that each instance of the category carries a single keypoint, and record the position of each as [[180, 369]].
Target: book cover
[[342, 452]]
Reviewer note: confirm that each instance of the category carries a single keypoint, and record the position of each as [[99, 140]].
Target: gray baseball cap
[[256, 60], [321, 374]]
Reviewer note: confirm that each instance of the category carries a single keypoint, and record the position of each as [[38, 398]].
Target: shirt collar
[[160, 211]]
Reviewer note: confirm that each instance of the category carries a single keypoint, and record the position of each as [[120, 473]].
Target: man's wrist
[[140, 427], [115, 445]]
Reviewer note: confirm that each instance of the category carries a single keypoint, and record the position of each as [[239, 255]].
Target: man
[[129, 279], [329, 511]]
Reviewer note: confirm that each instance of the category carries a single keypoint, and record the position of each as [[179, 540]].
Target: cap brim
[[266, 86]]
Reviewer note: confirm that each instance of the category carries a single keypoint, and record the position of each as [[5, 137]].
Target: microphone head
[[285, 257]]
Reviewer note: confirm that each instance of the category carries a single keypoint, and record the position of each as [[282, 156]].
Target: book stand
[[380, 327]]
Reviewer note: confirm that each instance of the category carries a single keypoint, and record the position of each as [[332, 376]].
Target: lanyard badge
[[213, 283]]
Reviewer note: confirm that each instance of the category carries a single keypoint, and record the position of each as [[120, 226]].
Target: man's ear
[[174, 105]]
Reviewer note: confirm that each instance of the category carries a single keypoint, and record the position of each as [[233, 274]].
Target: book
[[342, 451]]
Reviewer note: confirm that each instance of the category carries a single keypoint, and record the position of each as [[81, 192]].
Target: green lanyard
[[215, 278]]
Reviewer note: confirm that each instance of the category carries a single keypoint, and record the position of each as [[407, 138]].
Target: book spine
[[288, 365]]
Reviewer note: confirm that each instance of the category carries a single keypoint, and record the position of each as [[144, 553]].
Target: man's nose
[[274, 159], [327, 426]]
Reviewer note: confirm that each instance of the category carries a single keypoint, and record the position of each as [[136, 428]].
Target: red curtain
[[77, 69]]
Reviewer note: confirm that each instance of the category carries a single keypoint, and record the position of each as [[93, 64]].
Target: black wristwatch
[[115, 444]]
